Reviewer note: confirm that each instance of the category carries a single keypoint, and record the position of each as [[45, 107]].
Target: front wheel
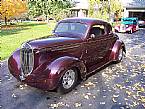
[[131, 31], [68, 81]]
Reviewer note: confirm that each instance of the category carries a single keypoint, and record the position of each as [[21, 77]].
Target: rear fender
[[115, 50]]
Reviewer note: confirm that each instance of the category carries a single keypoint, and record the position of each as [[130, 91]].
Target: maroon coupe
[[78, 47]]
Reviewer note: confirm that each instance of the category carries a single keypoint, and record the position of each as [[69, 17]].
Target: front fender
[[58, 66], [114, 53], [117, 28]]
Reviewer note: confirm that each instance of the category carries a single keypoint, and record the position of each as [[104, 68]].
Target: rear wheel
[[120, 55], [68, 81]]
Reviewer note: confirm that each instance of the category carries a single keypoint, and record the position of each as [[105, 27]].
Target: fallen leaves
[[56, 105], [21, 87], [90, 104], [113, 99], [128, 93], [86, 96], [103, 103], [138, 87], [115, 96], [90, 84], [119, 86], [10, 78], [142, 99], [78, 105], [14, 95]]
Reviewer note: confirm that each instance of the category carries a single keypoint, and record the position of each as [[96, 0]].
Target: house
[[134, 8], [81, 8]]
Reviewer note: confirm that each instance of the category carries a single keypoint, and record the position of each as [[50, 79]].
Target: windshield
[[71, 28]]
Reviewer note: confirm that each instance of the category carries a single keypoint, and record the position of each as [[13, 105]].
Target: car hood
[[52, 41]]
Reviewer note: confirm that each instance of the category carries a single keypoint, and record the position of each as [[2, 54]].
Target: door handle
[[86, 51]]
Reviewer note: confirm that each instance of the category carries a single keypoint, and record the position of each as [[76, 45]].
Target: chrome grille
[[27, 59]]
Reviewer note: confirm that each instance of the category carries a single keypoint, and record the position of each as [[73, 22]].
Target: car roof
[[89, 21], [130, 18]]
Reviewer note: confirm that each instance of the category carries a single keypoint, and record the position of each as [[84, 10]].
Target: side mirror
[[92, 36]]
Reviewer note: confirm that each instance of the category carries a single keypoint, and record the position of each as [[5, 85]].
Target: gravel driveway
[[117, 86]]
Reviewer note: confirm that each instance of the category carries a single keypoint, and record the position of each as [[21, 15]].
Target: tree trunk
[[47, 18], [5, 20]]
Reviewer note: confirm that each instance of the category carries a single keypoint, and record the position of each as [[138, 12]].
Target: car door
[[97, 48], [107, 43], [91, 55]]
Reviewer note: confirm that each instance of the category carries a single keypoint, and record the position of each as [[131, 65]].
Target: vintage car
[[141, 23], [129, 25], [78, 47]]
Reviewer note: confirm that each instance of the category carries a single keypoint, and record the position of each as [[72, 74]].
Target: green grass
[[13, 36]]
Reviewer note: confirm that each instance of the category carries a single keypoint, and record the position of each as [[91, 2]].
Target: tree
[[116, 7], [104, 8], [49, 8], [12, 8], [93, 4]]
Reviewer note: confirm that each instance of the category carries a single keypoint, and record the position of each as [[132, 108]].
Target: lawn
[[11, 37]]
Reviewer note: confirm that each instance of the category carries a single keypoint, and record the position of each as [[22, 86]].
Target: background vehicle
[[127, 25], [141, 23], [78, 48]]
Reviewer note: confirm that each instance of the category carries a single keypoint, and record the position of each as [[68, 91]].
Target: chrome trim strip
[[55, 48], [61, 48]]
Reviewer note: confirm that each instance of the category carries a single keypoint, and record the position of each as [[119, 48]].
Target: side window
[[108, 29], [97, 30], [134, 22]]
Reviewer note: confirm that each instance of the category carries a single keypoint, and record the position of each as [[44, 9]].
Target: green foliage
[[92, 4], [50, 8], [116, 7], [104, 8], [11, 37]]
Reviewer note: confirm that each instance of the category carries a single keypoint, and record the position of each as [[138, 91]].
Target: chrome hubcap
[[68, 79], [120, 54]]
